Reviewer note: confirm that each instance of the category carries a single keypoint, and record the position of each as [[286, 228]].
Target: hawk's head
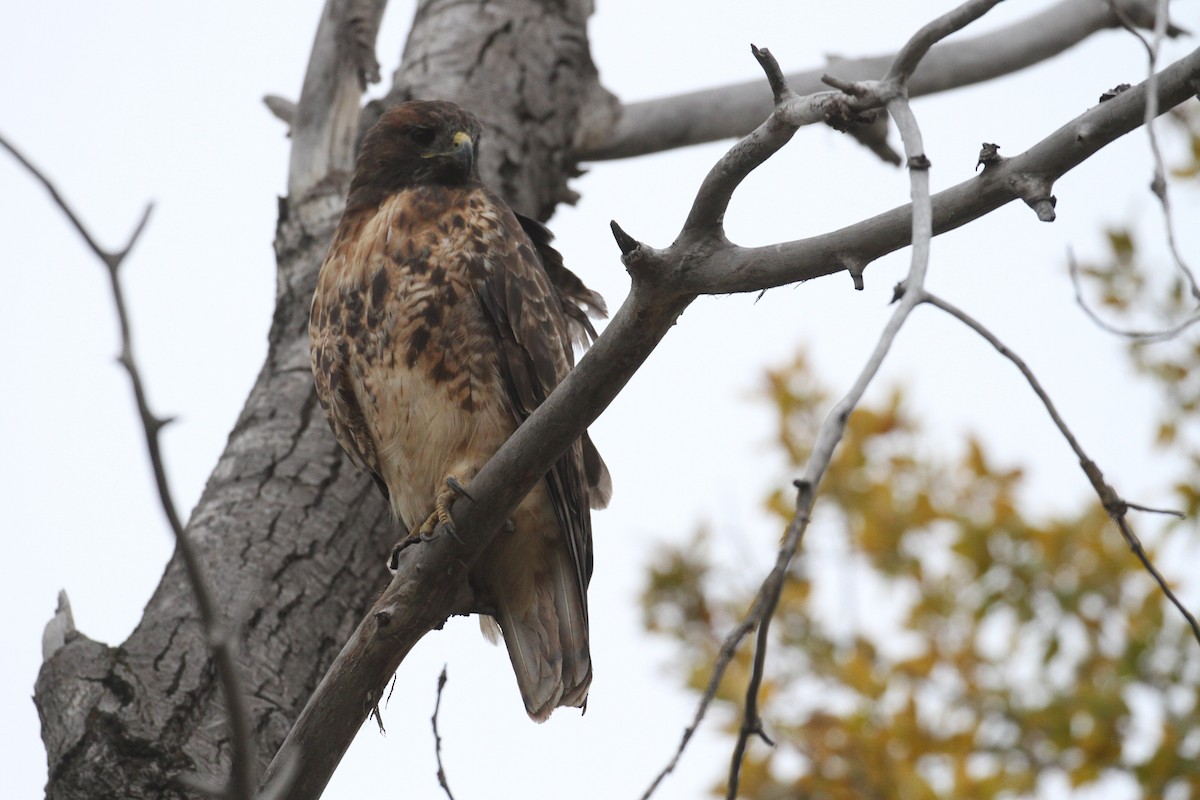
[[419, 143]]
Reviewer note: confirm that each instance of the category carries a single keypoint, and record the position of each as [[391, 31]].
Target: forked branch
[[221, 642], [892, 93], [1115, 505]]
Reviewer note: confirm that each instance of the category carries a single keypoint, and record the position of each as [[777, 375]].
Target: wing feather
[[333, 379], [527, 294], [578, 301]]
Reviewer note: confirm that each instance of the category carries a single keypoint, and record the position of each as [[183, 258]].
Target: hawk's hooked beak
[[463, 150]]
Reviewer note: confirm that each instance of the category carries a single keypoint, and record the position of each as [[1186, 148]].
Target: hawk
[[441, 320]]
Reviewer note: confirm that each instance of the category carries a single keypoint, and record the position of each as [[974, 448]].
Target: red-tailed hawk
[[441, 320]]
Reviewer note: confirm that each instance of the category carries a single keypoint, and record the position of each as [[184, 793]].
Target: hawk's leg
[[440, 516], [441, 511], [461, 490], [426, 531]]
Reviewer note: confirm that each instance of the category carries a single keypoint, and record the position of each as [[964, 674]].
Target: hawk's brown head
[[419, 143]]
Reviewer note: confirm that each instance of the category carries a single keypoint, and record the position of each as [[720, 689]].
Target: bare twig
[[437, 737], [712, 200], [892, 91], [1170, 512], [1133, 334], [1113, 503], [765, 603], [923, 223], [917, 47], [1158, 183], [724, 656], [242, 780]]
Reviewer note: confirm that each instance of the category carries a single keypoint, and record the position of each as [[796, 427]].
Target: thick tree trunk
[[291, 536]]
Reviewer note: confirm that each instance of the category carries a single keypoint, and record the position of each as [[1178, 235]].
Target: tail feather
[[573, 635], [548, 644], [490, 628], [533, 648]]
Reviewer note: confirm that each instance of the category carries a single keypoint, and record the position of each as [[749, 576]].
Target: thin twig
[[724, 656], [764, 609], [437, 737], [894, 91], [1133, 334], [100, 252], [1170, 512], [1113, 503], [917, 47], [243, 779], [1158, 183]]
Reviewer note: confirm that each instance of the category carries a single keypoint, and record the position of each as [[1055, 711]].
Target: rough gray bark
[[290, 541], [293, 539]]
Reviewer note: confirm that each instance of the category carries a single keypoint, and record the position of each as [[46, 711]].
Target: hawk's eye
[[422, 137]]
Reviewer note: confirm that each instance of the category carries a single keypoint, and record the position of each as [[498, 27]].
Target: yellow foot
[[427, 531], [441, 512]]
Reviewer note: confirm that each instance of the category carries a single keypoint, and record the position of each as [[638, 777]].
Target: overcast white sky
[[128, 101]]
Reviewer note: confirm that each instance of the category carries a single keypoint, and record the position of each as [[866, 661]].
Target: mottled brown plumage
[[441, 320]]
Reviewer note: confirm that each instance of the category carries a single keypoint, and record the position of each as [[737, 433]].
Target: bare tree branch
[[437, 737], [892, 91], [1158, 185], [832, 430], [916, 48], [324, 122], [242, 779], [665, 123], [1116, 506], [1147, 336], [1027, 176], [283, 109], [725, 655]]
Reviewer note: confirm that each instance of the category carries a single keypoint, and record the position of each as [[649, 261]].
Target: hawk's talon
[[441, 513], [393, 561], [431, 534], [458, 488], [428, 531]]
